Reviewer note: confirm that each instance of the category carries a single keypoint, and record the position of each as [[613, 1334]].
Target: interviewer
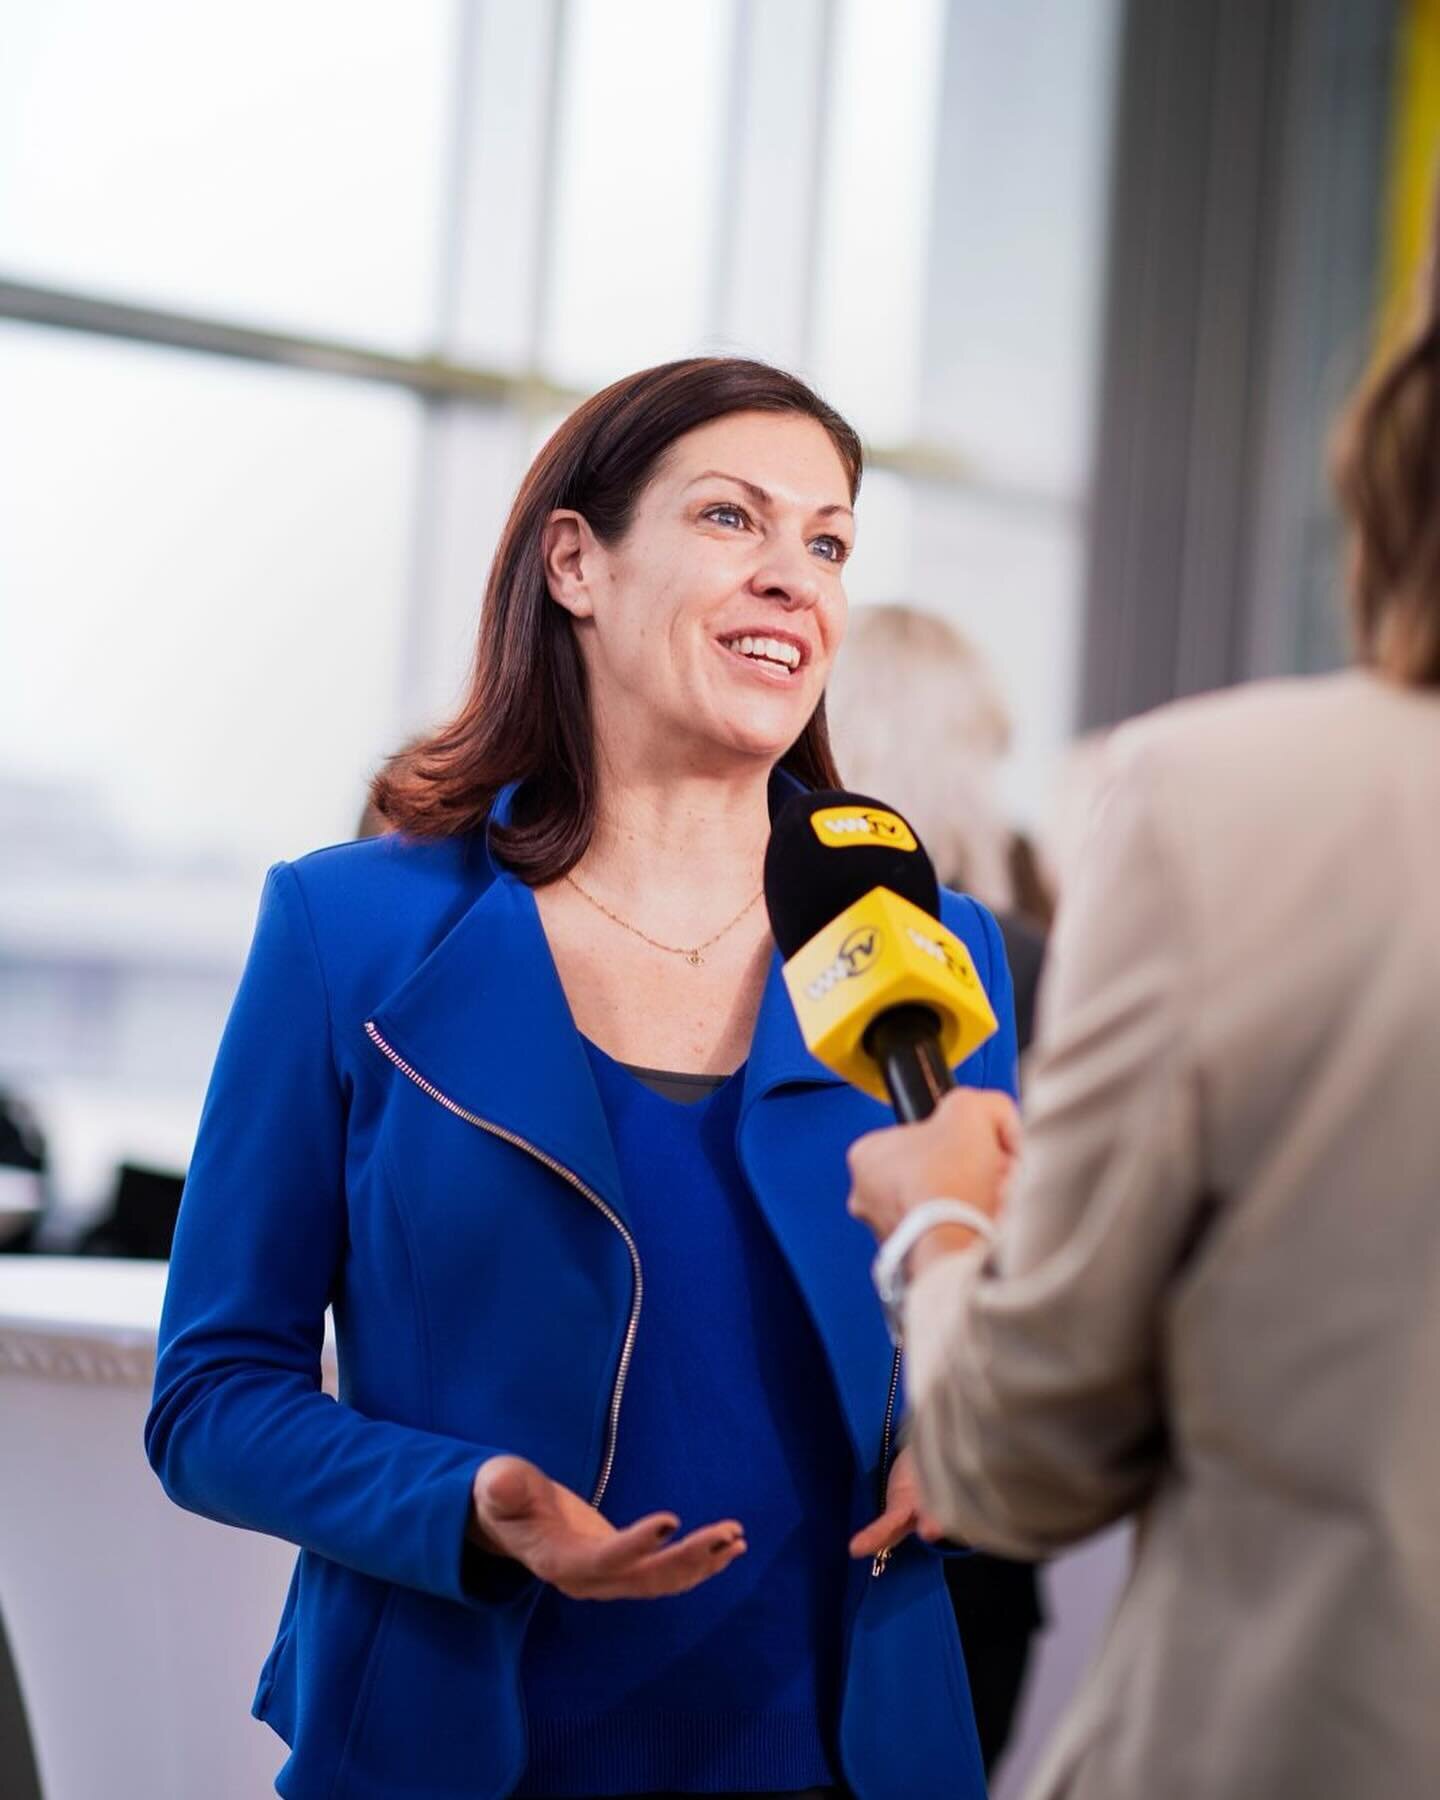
[[1213, 1299]]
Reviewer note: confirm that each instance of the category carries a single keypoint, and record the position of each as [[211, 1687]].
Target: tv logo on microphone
[[856, 955], [942, 953], [847, 827]]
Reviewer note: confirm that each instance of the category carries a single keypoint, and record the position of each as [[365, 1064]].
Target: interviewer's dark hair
[[1387, 474], [526, 715]]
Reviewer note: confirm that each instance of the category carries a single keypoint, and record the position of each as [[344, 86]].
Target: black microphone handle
[[905, 1042]]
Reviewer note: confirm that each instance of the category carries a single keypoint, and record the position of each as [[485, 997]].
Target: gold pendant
[[694, 958]]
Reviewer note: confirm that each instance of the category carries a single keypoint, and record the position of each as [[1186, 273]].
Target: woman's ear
[[568, 548]]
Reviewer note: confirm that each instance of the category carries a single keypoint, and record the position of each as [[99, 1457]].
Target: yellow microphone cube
[[884, 951]]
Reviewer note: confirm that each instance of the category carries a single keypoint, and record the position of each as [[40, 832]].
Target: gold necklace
[[692, 954]]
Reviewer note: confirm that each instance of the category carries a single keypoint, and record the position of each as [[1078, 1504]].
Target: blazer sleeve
[[239, 1429], [1034, 1369], [1001, 1065]]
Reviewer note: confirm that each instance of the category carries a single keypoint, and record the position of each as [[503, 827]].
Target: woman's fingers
[[508, 1504], [635, 1565], [688, 1560], [679, 1567], [892, 1527], [508, 1488], [636, 1541], [520, 1512], [1005, 1116]]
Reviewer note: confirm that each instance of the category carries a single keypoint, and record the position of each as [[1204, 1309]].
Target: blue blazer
[[402, 1124]]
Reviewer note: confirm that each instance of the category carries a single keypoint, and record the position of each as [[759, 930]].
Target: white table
[[137, 1630]]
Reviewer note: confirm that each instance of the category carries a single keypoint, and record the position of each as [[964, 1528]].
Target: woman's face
[[709, 628]]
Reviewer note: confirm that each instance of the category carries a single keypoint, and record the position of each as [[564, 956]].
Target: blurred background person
[[287, 307], [1214, 1299], [917, 718]]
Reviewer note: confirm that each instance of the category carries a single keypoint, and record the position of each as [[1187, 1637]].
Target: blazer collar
[[778, 1057], [484, 1021]]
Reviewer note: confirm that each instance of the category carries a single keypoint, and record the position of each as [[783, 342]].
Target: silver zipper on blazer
[[627, 1349], [882, 1559]]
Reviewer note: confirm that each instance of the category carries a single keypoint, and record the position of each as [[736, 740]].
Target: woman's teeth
[[762, 649]]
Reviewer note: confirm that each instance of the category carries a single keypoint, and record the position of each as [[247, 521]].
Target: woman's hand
[[902, 1515], [521, 1513], [965, 1150]]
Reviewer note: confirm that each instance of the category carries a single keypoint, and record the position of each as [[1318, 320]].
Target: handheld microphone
[[885, 995]]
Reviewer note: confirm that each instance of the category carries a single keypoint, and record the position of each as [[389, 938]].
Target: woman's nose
[[791, 578]]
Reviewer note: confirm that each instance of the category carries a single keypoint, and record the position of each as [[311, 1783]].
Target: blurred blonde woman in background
[[918, 718]]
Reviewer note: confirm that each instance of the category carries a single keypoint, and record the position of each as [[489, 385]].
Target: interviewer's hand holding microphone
[[965, 1151], [888, 998]]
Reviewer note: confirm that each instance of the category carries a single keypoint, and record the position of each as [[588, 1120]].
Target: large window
[[287, 299], [271, 163], [640, 185], [210, 562]]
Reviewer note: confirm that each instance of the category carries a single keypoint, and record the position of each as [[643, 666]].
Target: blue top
[[382, 1135], [730, 1412]]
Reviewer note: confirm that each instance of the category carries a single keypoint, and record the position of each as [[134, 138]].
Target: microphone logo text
[[941, 952], [844, 827], [856, 955]]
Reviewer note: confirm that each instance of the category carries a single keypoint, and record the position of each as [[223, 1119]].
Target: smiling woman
[[518, 1088], [634, 478]]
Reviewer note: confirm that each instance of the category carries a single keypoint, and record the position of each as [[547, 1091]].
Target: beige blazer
[[1215, 1299]]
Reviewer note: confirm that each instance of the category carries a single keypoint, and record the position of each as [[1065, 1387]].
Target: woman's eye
[[726, 515], [833, 549]]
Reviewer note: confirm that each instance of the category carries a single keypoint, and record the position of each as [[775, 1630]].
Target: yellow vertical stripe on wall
[[1414, 160]]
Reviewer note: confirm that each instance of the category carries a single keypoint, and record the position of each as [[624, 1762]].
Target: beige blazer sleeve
[[1034, 1372]]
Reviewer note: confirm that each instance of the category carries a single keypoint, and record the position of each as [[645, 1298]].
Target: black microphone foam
[[810, 879]]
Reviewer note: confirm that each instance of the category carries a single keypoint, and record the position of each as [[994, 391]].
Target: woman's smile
[[773, 657]]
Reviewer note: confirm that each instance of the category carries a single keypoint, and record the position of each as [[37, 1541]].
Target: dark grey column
[[1246, 212]]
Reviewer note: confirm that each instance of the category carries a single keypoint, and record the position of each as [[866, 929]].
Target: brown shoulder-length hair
[[526, 714], [1387, 474]]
